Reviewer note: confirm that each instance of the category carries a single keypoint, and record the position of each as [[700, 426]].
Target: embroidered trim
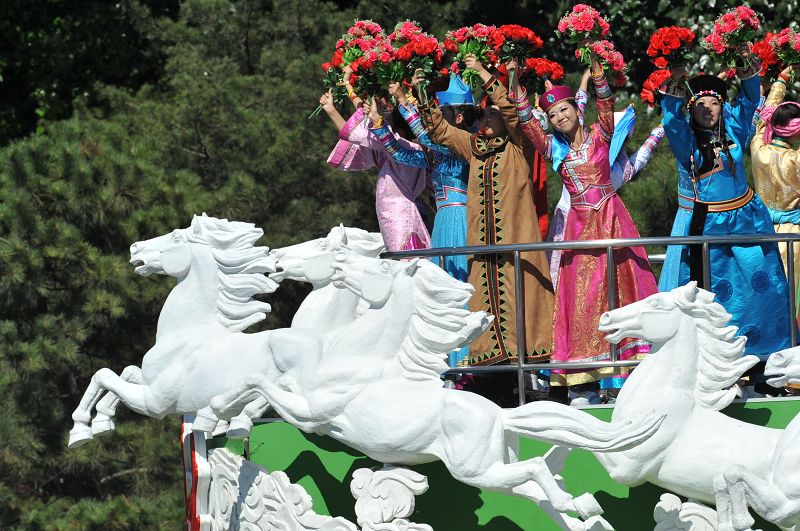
[[730, 204]]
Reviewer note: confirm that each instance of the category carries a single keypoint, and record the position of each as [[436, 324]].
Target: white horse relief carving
[[783, 367], [200, 350], [323, 312], [376, 387], [697, 451]]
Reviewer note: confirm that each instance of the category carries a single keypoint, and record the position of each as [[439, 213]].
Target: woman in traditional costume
[[500, 210], [398, 185], [581, 156], [450, 174], [714, 199], [776, 163]]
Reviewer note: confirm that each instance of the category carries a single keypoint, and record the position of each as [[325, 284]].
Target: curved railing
[[609, 245]]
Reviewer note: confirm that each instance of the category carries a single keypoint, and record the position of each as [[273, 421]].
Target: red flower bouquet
[[670, 45], [470, 40], [377, 67], [612, 61], [652, 84], [583, 23], [512, 41], [733, 30], [770, 64], [415, 49], [539, 69], [786, 45]]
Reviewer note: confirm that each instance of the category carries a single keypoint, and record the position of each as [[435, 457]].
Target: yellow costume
[[776, 171]]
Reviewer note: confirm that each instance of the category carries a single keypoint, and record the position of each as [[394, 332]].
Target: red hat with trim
[[555, 95]]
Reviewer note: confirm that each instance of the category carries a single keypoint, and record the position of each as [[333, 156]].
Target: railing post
[[612, 290], [706, 268], [522, 348], [441, 261], [792, 292]]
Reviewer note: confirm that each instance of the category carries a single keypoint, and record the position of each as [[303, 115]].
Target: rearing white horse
[[688, 377], [377, 388], [200, 350]]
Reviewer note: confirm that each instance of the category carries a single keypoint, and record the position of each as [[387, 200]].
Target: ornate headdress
[[555, 95], [457, 93], [706, 85]]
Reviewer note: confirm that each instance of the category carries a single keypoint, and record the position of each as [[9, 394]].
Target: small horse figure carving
[[200, 350], [376, 388], [688, 377]]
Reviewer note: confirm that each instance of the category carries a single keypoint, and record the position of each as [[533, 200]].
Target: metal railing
[[609, 245]]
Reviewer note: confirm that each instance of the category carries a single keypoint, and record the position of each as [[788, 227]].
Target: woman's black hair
[[469, 112], [399, 124], [784, 114]]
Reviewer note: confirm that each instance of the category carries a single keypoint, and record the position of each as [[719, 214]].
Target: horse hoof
[[587, 506], [102, 425], [79, 435], [598, 523], [205, 421], [239, 428]]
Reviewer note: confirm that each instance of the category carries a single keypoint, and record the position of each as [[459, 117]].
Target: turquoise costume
[[748, 280]]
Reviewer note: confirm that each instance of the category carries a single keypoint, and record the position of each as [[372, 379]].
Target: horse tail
[[567, 426]]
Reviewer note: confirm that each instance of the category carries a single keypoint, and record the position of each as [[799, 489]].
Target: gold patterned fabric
[[776, 172]]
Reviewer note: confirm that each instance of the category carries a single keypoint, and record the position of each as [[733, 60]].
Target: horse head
[[657, 318], [783, 367], [311, 261], [229, 267], [688, 324]]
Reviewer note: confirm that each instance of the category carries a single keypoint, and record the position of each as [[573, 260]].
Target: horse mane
[[720, 362], [360, 241], [241, 269], [440, 323]]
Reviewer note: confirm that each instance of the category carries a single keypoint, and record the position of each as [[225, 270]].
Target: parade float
[[369, 438]]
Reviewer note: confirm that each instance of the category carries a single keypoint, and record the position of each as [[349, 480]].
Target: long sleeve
[[357, 132], [744, 108], [581, 99], [445, 134], [532, 128], [625, 168], [498, 95], [412, 117], [605, 107], [775, 97], [347, 156], [402, 152], [676, 128]]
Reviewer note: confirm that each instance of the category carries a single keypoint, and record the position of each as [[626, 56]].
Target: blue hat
[[458, 93]]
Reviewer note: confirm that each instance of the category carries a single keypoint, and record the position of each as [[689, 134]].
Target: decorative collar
[[483, 145], [780, 142]]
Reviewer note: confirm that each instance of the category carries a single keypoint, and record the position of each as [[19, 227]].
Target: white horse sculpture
[[783, 367], [377, 388], [688, 377], [314, 314], [200, 350]]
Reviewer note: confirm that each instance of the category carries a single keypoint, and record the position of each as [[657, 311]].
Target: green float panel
[[324, 468]]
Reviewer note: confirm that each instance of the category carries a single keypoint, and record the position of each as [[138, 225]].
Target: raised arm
[[498, 96], [409, 113], [676, 122], [775, 97], [350, 156], [445, 134], [630, 166], [403, 153], [582, 94], [326, 100], [747, 101], [530, 125], [346, 73], [605, 101]]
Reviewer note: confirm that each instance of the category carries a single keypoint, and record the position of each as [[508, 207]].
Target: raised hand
[[397, 90], [678, 72], [346, 73], [548, 84], [371, 110], [471, 61], [326, 100]]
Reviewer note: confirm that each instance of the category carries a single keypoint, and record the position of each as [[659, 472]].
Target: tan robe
[[776, 172], [500, 210]]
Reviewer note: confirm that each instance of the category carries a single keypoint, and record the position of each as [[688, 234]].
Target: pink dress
[[596, 212], [397, 186]]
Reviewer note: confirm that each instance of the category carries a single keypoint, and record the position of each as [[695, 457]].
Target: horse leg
[[106, 408], [242, 423], [104, 379], [763, 496], [723, 500], [221, 406]]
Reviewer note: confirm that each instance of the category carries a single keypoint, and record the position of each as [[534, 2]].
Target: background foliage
[[118, 121]]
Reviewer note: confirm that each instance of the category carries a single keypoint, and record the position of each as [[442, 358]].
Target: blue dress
[[450, 175], [748, 280]]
